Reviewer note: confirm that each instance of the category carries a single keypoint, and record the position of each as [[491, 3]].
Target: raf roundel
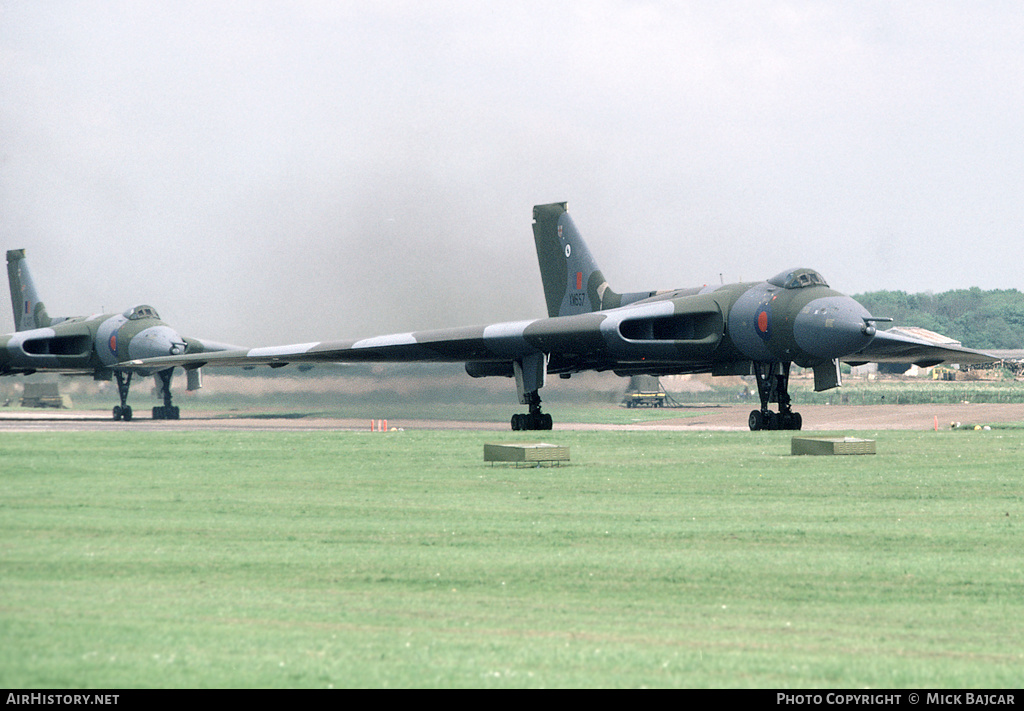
[[113, 343], [763, 324], [568, 250]]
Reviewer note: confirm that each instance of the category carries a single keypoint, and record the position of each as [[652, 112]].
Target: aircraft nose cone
[[832, 327], [155, 342]]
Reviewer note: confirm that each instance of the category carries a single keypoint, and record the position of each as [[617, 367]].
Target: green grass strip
[[350, 559]]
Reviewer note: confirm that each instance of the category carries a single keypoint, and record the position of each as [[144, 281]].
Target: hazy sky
[[273, 172]]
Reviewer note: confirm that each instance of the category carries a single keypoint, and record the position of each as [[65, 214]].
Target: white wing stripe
[[507, 339], [296, 349], [397, 339]]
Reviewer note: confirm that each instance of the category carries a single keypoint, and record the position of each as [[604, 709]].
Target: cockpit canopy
[[798, 279], [141, 311]]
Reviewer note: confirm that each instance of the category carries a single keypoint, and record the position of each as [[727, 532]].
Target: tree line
[[978, 319]]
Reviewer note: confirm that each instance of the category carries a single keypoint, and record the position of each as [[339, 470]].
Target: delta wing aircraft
[[754, 328], [96, 345]]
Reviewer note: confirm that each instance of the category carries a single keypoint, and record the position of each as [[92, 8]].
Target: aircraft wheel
[[117, 412], [158, 413], [175, 413], [546, 423], [756, 420], [126, 413], [772, 421], [790, 421], [517, 422]]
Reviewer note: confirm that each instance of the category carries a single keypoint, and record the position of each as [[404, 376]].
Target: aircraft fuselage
[[90, 343]]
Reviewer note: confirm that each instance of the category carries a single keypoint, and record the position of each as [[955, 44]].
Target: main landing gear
[[530, 373], [533, 420], [773, 386], [124, 410]]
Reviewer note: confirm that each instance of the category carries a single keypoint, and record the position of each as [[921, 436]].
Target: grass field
[[144, 559]]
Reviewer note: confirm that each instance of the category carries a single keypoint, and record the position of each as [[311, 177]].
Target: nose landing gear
[[168, 411], [773, 386]]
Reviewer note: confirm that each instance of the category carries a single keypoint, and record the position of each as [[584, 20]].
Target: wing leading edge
[[591, 341], [604, 340], [889, 347]]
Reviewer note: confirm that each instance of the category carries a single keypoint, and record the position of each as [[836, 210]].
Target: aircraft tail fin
[[573, 284], [29, 311]]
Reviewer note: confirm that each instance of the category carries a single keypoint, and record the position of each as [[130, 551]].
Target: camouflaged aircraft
[[754, 328], [96, 345]]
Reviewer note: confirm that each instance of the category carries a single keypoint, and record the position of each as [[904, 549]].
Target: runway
[[695, 417], [198, 422]]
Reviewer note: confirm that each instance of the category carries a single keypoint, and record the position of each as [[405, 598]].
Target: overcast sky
[[274, 172]]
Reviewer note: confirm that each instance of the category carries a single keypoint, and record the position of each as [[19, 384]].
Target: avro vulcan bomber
[[753, 328], [100, 345]]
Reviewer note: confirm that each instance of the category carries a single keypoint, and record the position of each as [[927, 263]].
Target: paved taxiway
[[713, 417]]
